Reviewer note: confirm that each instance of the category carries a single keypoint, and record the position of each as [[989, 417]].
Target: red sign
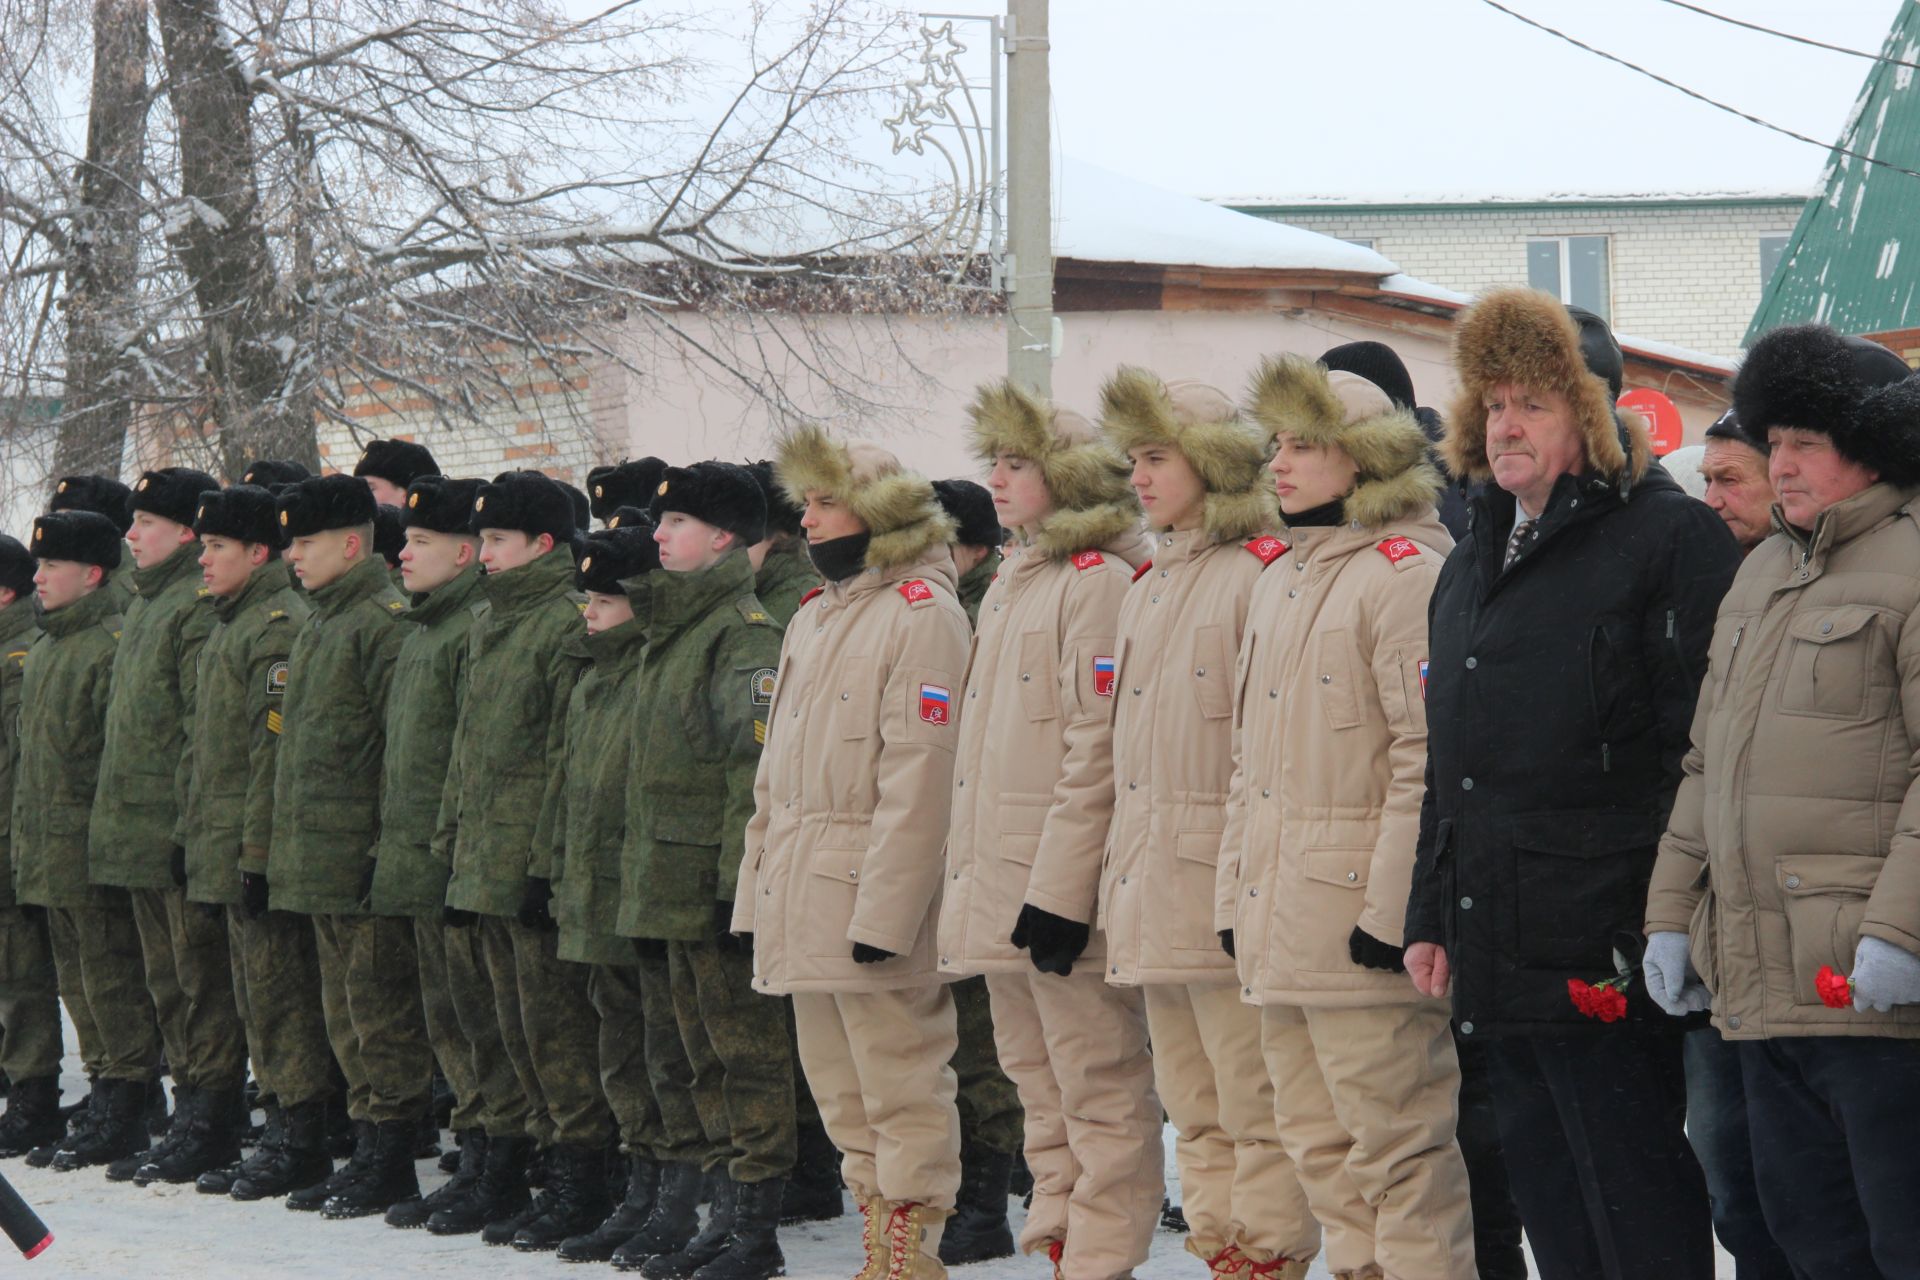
[[1663, 420]]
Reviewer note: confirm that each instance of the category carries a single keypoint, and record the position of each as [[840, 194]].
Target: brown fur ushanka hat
[[1227, 451], [1087, 480]]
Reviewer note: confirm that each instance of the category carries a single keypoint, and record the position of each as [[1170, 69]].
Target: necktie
[[1523, 536]]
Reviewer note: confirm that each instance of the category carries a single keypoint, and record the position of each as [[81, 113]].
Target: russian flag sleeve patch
[[935, 703], [1103, 676]]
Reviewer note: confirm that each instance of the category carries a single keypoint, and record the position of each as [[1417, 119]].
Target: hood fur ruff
[[897, 505], [1396, 482], [1526, 337], [1227, 452], [1094, 504]]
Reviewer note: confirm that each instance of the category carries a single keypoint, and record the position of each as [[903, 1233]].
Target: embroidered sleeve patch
[[1141, 572], [276, 679], [1088, 559], [763, 687], [935, 703], [1103, 677], [273, 722], [915, 591], [1423, 679], [1398, 549], [759, 733], [1268, 549]]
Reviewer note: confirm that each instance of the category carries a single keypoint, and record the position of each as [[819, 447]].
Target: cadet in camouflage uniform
[[626, 485], [699, 720], [506, 754], [105, 496], [237, 724], [991, 1120], [326, 816], [137, 836], [96, 948], [30, 1045], [389, 537], [441, 567]]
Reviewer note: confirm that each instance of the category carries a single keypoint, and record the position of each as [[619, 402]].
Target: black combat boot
[[576, 1199], [672, 1223], [978, 1230], [709, 1244], [298, 1162], [119, 1128], [80, 1117], [309, 1199], [498, 1194], [387, 1180], [211, 1141], [33, 1116], [599, 1244], [813, 1190], [472, 1151], [752, 1250], [127, 1168], [273, 1136]]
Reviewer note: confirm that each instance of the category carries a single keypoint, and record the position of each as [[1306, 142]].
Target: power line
[[1788, 35], [1697, 96]]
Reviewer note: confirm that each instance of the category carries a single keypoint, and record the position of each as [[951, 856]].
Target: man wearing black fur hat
[[976, 545], [137, 838], [626, 484], [326, 802], [228, 824], [1787, 892], [389, 466], [105, 496], [782, 573], [271, 473], [96, 946], [506, 752], [30, 1041]]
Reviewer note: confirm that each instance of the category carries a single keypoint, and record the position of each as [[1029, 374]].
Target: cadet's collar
[[1177, 546], [350, 588], [151, 581], [269, 578], [680, 598], [1847, 519], [446, 598], [981, 574], [534, 583], [94, 607], [783, 564], [616, 644], [18, 618]]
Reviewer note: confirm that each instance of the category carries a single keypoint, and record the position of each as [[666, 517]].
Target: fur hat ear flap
[[1884, 436], [323, 503]]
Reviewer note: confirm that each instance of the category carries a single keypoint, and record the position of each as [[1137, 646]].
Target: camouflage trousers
[[736, 1044], [561, 1031], [990, 1114], [190, 977], [636, 1021], [370, 994], [96, 953], [681, 1140], [505, 1109], [277, 989], [452, 1048], [30, 1041]]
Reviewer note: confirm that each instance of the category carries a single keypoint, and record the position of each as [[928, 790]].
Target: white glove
[[1883, 976], [1671, 980]]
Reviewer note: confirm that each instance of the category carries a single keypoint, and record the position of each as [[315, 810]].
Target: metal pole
[[1029, 199]]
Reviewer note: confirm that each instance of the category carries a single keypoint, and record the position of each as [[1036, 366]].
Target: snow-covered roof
[[1101, 216], [1296, 199]]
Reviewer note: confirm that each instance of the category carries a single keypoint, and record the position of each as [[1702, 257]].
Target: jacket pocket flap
[[841, 861], [1024, 815], [1828, 625], [1584, 833], [1344, 867], [1847, 873], [1198, 846]]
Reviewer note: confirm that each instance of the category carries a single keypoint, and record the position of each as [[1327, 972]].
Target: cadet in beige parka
[[1032, 802]]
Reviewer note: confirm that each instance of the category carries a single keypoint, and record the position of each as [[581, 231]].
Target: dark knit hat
[[782, 515], [1854, 391], [631, 518], [102, 495], [530, 502], [172, 493], [610, 556], [441, 504], [84, 536], [971, 507], [398, 462], [389, 533], [1727, 427], [722, 494], [323, 503], [1599, 349], [628, 484], [16, 566], [1379, 364], [269, 472], [244, 512]]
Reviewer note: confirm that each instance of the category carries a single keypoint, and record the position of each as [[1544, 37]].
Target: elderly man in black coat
[[1569, 634]]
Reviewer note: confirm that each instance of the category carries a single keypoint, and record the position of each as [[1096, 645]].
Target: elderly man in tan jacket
[[1787, 887], [842, 867], [1198, 470], [1323, 820], [1032, 801]]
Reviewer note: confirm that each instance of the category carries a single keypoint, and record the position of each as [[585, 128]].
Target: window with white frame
[[1574, 270], [1772, 249]]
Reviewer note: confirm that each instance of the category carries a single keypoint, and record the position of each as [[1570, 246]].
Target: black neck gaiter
[[1324, 516], [838, 559]]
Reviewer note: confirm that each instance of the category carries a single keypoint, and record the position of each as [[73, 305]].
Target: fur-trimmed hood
[[1226, 451], [897, 506], [1093, 502], [1526, 337], [1396, 482]]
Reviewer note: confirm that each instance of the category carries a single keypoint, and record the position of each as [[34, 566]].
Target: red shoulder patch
[[1141, 572], [1267, 549], [1088, 559], [1398, 549], [810, 595], [915, 590]]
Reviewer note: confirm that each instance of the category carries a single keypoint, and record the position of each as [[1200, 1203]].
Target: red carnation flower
[[1836, 989], [1606, 1000]]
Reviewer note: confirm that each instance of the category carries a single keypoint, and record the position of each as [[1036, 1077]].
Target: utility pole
[[1029, 199]]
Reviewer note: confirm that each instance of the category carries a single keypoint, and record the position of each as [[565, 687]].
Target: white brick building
[[1680, 269]]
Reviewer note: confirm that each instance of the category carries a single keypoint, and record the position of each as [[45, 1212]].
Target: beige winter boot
[[1221, 1263], [910, 1256], [874, 1213], [1276, 1269]]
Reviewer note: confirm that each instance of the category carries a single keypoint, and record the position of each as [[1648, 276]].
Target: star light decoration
[[926, 102]]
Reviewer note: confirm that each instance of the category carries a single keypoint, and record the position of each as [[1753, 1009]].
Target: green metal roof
[[1844, 263]]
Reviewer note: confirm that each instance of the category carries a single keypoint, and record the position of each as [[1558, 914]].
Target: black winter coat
[[1559, 698]]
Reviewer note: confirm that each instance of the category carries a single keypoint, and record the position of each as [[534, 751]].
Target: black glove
[[366, 883], [864, 954], [1052, 941], [650, 948], [1226, 943], [455, 918], [536, 905], [178, 865], [1367, 950], [253, 894]]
